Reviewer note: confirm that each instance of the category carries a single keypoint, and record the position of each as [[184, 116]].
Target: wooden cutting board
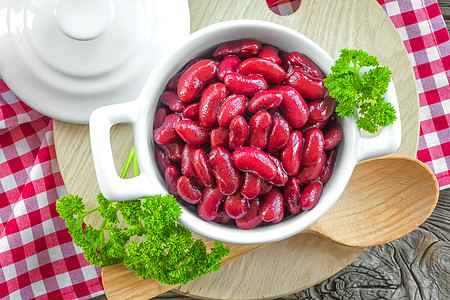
[[301, 261]]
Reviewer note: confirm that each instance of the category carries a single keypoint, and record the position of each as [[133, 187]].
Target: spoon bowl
[[386, 198]]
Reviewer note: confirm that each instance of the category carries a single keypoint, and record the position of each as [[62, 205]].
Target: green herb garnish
[[169, 253], [361, 95]]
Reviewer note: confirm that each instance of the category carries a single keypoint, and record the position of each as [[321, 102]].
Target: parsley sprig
[[361, 95], [168, 253]]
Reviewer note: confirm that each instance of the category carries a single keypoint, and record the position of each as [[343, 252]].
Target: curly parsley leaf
[[168, 253], [361, 95]]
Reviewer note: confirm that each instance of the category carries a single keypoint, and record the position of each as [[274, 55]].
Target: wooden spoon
[[385, 199]]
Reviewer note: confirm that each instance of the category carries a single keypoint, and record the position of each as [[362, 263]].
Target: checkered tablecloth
[[38, 259]]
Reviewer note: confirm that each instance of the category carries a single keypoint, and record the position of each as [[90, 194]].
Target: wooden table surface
[[416, 266]]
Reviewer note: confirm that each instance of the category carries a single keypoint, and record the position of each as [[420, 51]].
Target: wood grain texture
[[311, 258], [405, 195], [121, 283], [334, 25], [445, 10], [386, 198], [416, 266]]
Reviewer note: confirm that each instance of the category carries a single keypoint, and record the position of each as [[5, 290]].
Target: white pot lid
[[65, 58]]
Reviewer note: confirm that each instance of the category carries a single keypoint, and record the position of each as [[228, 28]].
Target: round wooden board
[[301, 261]]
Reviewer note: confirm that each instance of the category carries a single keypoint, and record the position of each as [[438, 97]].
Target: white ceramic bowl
[[140, 113]]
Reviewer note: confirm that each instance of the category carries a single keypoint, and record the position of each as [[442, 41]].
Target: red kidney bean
[[219, 137], [278, 135], [233, 106], [329, 166], [272, 72], [275, 121], [191, 62], [285, 63], [251, 185], [187, 161], [192, 132], [282, 177], [246, 85], [241, 48], [307, 174], [255, 161], [191, 112], [209, 204], [166, 133], [313, 147], [321, 110], [197, 183], [173, 82], [194, 78], [228, 64], [290, 156], [302, 61], [309, 87], [162, 160], [171, 175], [188, 191], [170, 98], [270, 53], [160, 116], [272, 205], [202, 168], [310, 125], [222, 217], [266, 187], [210, 102], [173, 150], [265, 100], [332, 118], [279, 218], [252, 218], [227, 176], [310, 195], [293, 106], [236, 206], [332, 135], [276, 112], [291, 194], [259, 126], [238, 132]]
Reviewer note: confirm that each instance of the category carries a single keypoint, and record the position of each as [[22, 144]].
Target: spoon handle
[[116, 277]]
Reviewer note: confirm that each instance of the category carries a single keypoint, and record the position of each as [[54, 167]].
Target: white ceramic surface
[[84, 20], [66, 58], [140, 113]]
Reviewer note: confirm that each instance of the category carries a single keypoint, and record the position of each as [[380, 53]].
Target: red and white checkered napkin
[[423, 31], [38, 259], [37, 256]]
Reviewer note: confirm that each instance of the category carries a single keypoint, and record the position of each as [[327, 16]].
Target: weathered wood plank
[[416, 266], [445, 10], [444, 3]]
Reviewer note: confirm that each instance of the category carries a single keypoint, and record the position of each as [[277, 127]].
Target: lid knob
[[84, 19]]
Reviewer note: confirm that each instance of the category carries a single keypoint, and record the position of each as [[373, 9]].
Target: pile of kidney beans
[[248, 135]]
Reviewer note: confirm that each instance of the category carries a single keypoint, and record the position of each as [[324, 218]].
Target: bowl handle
[[390, 137], [111, 185]]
